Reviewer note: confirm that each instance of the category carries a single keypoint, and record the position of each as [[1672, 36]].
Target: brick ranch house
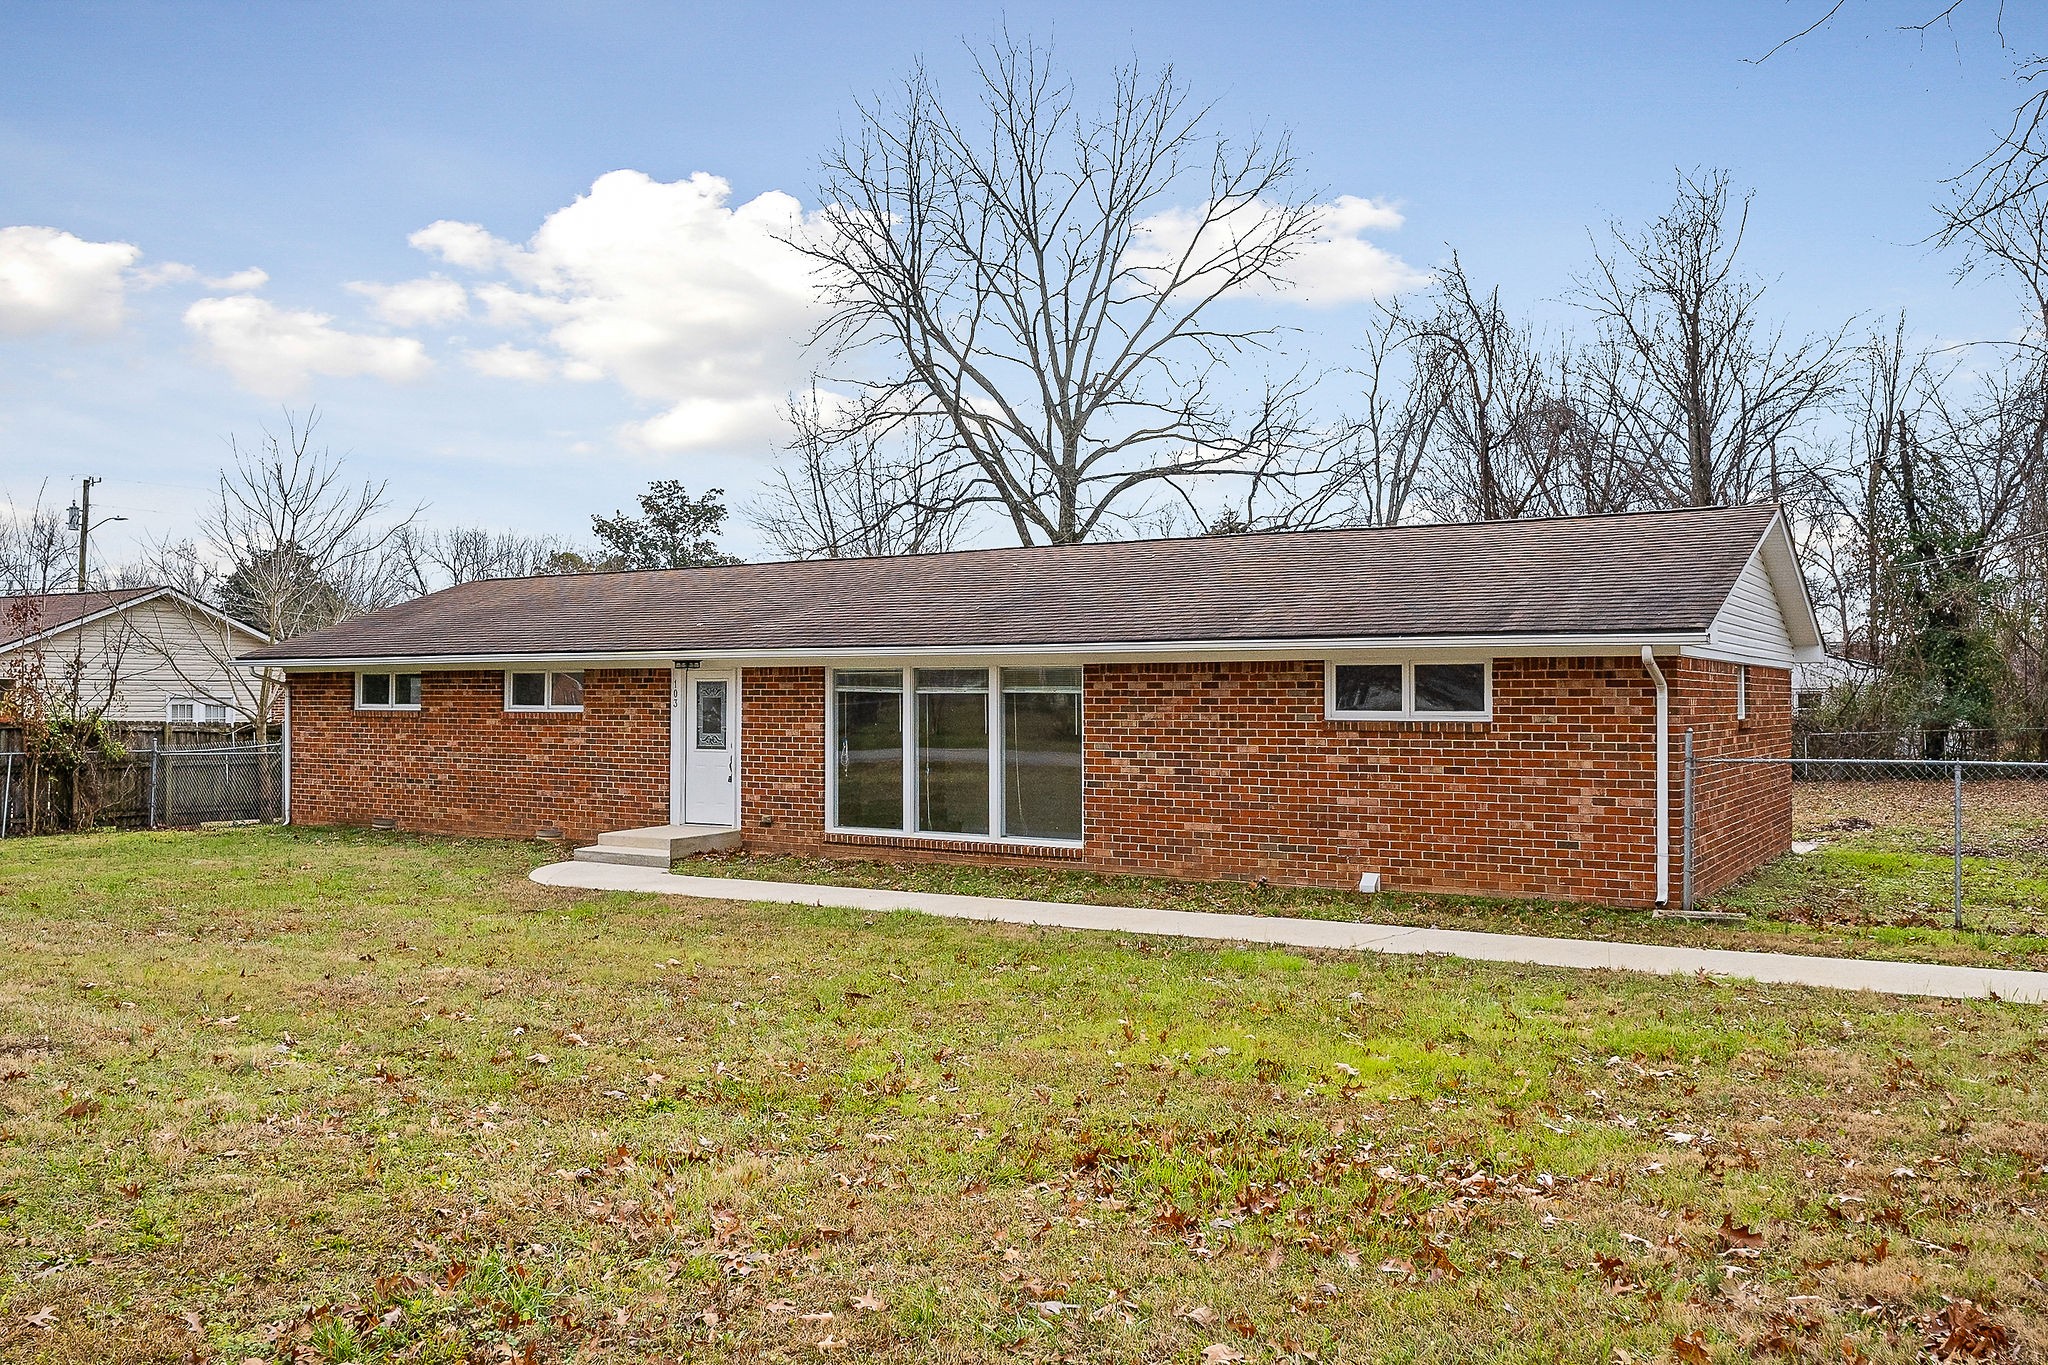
[[1497, 708]]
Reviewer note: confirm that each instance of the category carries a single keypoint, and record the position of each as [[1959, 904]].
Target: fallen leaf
[[1735, 1236], [1691, 1348]]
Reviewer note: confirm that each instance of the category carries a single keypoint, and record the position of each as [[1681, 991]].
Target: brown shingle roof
[[1617, 575], [35, 613]]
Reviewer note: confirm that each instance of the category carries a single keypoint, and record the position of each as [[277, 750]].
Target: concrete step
[[671, 841], [629, 857]]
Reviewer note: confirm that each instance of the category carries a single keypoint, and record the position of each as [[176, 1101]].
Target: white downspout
[[1663, 775], [285, 807]]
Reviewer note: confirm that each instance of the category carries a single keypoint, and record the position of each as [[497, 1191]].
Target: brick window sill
[[1455, 727], [969, 847]]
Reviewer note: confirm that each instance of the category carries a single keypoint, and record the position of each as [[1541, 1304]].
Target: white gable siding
[[134, 661], [1752, 623]]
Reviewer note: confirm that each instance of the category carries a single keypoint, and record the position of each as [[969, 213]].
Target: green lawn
[[285, 1094], [1880, 884]]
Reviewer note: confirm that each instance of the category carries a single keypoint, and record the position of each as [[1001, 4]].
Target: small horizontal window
[[1409, 691], [550, 691], [387, 691]]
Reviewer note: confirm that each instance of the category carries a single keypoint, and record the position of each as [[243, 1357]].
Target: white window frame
[[908, 748], [199, 707], [1742, 691], [547, 689], [394, 674], [1407, 711]]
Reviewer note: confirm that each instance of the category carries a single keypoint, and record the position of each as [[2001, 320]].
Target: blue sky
[[533, 385]]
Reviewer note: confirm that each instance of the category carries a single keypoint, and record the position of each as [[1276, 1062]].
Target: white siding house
[[145, 656]]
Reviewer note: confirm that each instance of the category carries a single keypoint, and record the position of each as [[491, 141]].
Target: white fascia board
[[1108, 651]]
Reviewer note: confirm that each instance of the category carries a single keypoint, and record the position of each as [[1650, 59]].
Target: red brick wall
[[1231, 771], [463, 764], [1742, 813], [1193, 770], [782, 758]]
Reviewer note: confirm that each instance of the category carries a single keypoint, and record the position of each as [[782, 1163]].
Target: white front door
[[711, 748]]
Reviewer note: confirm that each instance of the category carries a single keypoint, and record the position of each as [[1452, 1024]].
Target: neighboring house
[[1816, 681], [1494, 708], [142, 656]]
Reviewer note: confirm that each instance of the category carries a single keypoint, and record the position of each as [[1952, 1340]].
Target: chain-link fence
[[1883, 826], [147, 789], [1938, 743]]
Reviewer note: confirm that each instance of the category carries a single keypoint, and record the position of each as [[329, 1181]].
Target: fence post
[[155, 757], [7, 796], [1959, 844], [1685, 897]]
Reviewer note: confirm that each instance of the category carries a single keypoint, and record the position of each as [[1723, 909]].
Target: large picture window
[[1042, 753], [970, 752], [867, 759], [1421, 690]]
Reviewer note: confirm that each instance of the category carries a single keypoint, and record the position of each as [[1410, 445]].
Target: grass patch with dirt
[[299, 1095], [1879, 885]]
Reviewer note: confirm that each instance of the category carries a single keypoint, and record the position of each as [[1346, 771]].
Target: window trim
[[547, 689], [1407, 714], [1742, 691], [198, 705], [907, 829], [394, 674]]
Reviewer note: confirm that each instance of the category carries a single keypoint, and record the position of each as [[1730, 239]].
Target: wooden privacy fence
[[150, 789]]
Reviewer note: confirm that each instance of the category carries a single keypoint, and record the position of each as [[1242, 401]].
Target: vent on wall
[[383, 822], [1368, 882], [548, 834]]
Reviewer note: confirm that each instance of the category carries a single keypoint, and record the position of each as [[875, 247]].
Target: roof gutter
[[1663, 774], [1166, 650]]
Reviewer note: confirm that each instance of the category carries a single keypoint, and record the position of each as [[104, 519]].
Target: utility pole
[[81, 522]]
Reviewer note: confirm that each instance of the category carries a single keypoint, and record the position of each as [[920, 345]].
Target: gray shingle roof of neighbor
[[36, 613], [1628, 574]]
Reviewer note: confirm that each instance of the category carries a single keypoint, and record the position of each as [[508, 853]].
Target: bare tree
[[846, 489], [1492, 456], [1031, 285], [36, 551], [428, 560], [297, 547], [1710, 393], [1392, 429]]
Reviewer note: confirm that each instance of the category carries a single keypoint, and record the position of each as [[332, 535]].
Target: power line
[[1971, 554]]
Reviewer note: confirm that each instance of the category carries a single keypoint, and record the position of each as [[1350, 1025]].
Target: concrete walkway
[[1845, 973]]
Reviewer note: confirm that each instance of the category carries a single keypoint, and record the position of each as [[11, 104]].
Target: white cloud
[[275, 351], [417, 303], [242, 281], [461, 244], [666, 288], [52, 281], [511, 362], [1336, 265]]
